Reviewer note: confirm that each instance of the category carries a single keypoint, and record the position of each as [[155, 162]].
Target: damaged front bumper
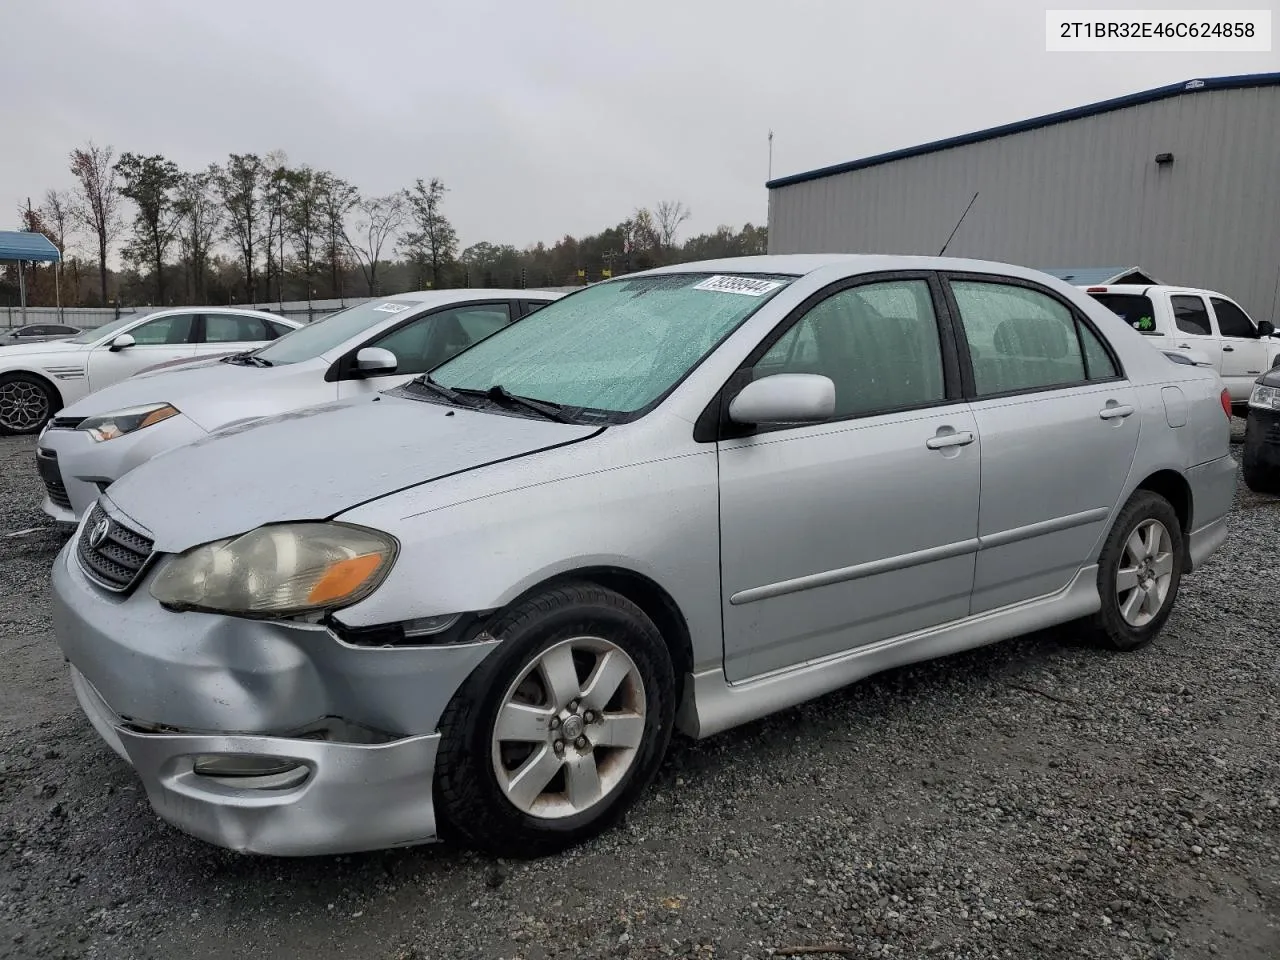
[[348, 732]]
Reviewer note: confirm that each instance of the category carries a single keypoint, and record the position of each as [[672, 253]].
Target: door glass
[[230, 328], [1191, 316], [429, 341], [1232, 321], [877, 343], [173, 329], [1097, 360], [1019, 339]]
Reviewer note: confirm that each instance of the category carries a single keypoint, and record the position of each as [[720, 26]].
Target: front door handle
[[1184, 346], [949, 440], [1119, 410], [1228, 349]]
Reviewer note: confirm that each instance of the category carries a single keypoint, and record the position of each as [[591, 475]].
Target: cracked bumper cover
[[163, 688]]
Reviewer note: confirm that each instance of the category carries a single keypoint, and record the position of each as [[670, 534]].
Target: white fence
[[86, 318]]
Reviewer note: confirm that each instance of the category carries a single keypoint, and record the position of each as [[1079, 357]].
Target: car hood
[[317, 462], [52, 348], [209, 394]]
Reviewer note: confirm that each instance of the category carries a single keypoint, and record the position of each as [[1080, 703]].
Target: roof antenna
[[958, 222]]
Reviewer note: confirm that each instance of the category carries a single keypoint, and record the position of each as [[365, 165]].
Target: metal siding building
[[1077, 188]]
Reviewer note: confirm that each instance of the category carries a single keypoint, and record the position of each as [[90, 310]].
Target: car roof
[[469, 293], [238, 311], [1141, 288], [803, 264]]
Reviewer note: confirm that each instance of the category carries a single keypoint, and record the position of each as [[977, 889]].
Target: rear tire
[[561, 767], [1139, 572], [26, 404]]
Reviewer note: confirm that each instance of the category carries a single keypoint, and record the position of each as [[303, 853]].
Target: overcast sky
[[542, 118]]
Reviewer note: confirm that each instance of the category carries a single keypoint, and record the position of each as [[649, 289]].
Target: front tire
[[1139, 572], [26, 404], [558, 732]]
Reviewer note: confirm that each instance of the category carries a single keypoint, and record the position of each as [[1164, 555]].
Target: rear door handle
[[1184, 346], [1120, 410], [1227, 349], [949, 440]]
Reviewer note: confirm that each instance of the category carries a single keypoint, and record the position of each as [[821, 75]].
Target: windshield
[[309, 342], [615, 347], [97, 333]]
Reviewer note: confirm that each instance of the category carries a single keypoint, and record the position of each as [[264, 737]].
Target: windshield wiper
[[247, 359], [498, 394], [453, 396]]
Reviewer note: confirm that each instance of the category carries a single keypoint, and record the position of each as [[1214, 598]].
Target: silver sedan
[[477, 606]]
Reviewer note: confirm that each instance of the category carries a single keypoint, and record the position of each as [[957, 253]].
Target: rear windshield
[[1136, 309]]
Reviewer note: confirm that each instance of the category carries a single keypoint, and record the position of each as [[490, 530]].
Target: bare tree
[[669, 214], [96, 200], [239, 186], [274, 200], [199, 219], [379, 219], [337, 199], [58, 216], [304, 194]]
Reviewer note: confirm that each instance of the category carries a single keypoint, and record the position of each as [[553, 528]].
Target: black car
[[1262, 434]]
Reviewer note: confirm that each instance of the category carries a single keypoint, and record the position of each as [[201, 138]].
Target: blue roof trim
[[1239, 82], [22, 245]]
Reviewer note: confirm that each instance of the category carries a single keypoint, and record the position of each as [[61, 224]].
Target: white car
[[39, 379], [364, 349]]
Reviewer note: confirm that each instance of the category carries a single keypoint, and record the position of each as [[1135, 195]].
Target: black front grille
[[120, 555], [66, 423], [47, 464]]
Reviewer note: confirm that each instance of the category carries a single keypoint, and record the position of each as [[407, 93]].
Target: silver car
[[478, 605], [355, 352]]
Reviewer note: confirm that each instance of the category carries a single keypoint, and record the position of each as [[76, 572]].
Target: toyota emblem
[[99, 533]]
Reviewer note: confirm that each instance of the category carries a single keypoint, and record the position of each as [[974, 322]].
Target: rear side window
[[1232, 321], [1021, 340], [1135, 309], [1191, 316]]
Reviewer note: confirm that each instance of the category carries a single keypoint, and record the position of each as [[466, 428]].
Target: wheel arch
[[656, 603], [1173, 487]]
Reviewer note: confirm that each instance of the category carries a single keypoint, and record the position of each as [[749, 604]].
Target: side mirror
[[1266, 328], [785, 398], [122, 342], [372, 361]]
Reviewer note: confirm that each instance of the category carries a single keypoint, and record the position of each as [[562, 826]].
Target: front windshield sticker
[[391, 307], [744, 285]]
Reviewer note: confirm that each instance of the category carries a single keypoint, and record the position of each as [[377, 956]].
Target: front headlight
[[278, 570], [108, 426], [1264, 397]]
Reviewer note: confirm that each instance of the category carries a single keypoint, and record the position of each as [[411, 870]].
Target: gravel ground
[[1034, 799]]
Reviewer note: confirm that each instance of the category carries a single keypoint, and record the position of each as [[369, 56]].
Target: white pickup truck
[[1202, 322]]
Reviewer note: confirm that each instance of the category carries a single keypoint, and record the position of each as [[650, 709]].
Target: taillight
[[1225, 397]]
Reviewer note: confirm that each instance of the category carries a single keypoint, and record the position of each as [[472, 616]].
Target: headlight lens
[[1264, 397], [108, 426], [277, 571]]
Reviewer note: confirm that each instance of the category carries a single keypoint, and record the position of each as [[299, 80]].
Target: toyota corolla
[[477, 605]]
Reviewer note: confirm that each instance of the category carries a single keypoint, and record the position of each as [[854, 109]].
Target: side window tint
[[1097, 361], [1019, 339], [1191, 316], [478, 322], [173, 329], [431, 340], [1232, 321], [229, 328], [275, 330], [878, 343]]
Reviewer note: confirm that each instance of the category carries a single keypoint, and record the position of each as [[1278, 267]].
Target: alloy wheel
[[569, 728], [1145, 573], [23, 405]]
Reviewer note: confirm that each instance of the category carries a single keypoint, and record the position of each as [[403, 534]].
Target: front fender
[[658, 519]]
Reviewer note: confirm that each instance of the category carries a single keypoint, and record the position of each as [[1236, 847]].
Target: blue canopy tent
[[22, 247]]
